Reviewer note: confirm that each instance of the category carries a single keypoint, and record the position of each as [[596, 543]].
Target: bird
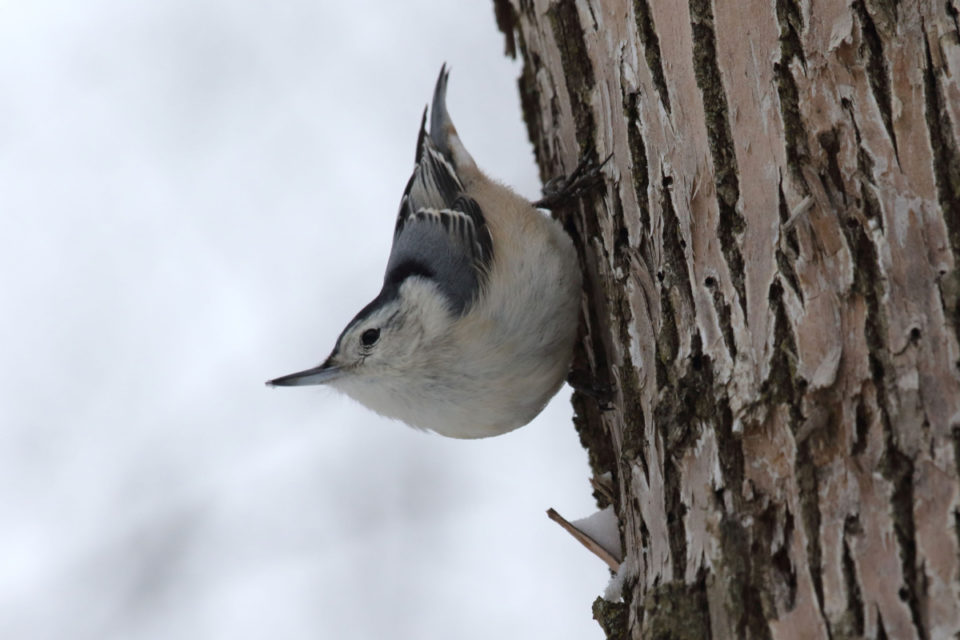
[[473, 330]]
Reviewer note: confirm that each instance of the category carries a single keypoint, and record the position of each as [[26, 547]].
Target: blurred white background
[[195, 196]]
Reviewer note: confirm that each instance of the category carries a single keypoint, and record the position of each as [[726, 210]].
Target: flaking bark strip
[[783, 385], [897, 467], [853, 623], [793, 240], [682, 407], [790, 22], [878, 75], [676, 275], [782, 564], [790, 19], [644, 530], [634, 422], [638, 156], [671, 274], [722, 308], [621, 239], [830, 143], [785, 264], [668, 341], [651, 48], [809, 489], [885, 14], [946, 167], [676, 512], [577, 69], [772, 565], [634, 427], [865, 164], [730, 449], [731, 222], [869, 283]]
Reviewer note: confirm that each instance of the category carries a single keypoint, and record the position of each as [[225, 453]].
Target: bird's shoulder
[[441, 232]]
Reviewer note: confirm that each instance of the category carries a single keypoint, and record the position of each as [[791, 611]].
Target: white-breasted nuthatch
[[473, 330]]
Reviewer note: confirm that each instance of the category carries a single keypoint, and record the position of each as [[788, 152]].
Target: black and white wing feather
[[441, 233]]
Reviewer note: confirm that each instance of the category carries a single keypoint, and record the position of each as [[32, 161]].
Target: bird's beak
[[323, 374]]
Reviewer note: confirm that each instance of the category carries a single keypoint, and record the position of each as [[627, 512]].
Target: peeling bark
[[772, 288]]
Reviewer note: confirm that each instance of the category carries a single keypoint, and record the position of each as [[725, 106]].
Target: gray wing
[[441, 233]]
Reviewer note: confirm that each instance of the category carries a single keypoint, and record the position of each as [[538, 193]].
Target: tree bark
[[772, 290]]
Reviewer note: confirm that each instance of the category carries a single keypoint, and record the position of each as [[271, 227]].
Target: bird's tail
[[442, 131]]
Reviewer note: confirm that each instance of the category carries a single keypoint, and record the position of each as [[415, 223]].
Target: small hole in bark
[[623, 238], [903, 593], [915, 334], [851, 525], [709, 281], [660, 276], [852, 222], [667, 181], [697, 362], [718, 495]]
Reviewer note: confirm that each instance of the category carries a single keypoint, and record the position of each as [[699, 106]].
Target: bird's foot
[[562, 190], [590, 386]]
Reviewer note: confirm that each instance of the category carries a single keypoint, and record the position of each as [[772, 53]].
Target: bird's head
[[391, 338]]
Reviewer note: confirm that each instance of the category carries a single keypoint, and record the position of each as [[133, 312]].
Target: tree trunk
[[772, 290]]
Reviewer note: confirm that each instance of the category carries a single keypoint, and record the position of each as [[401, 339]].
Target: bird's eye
[[370, 337]]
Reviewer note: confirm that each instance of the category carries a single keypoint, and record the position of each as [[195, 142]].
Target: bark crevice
[[577, 70], [638, 155], [898, 469], [785, 263], [878, 72], [651, 48], [853, 623], [946, 168], [790, 22], [731, 222]]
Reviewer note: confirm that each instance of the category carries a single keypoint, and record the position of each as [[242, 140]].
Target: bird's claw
[[590, 386], [561, 190]]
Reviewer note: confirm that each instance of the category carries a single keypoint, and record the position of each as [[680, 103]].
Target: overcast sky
[[195, 196]]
